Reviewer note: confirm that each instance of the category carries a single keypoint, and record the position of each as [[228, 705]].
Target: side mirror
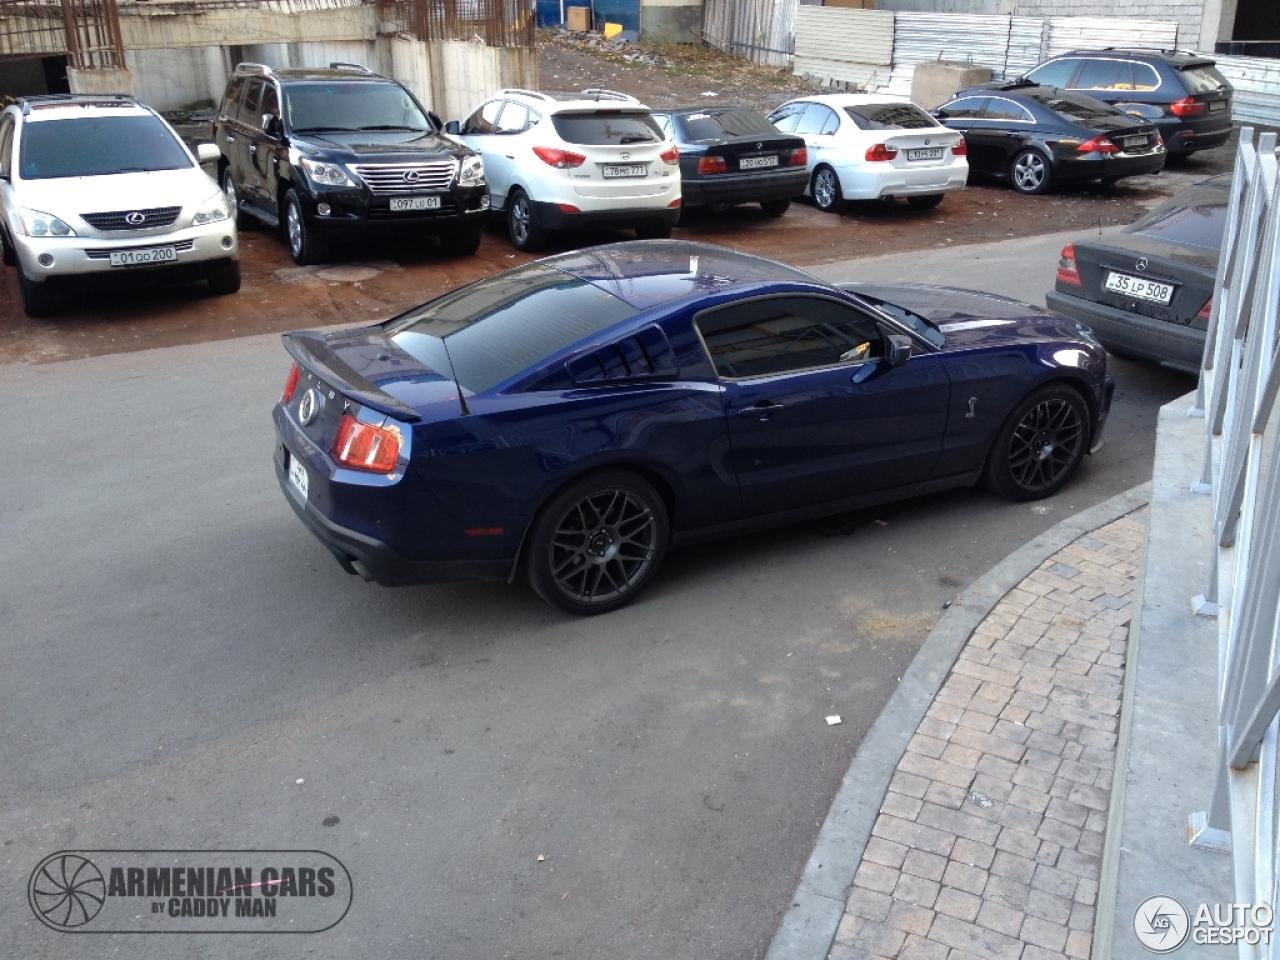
[[208, 152], [452, 127], [270, 125], [435, 119], [897, 349]]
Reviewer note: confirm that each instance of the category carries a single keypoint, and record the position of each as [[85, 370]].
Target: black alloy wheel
[[1040, 445], [522, 223], [597, 543], [825, 189], [304, 246], [1030, 172], [775, 208]]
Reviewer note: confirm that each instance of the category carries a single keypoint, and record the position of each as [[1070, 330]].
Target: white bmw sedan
[[866, 146]]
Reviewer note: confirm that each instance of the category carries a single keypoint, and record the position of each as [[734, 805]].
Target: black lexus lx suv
[[339, 154]]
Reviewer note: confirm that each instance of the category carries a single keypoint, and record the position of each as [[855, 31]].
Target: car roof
[[59, 106], [566, 101], [851, 99], [652, 272], [1178, 58], [705, 108]]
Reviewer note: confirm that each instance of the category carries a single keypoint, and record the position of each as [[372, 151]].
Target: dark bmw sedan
[[731, 155], [1147, 291], [1036, 137], [571, 419]]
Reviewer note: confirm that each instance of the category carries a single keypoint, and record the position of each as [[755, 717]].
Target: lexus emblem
[[309, 407], [135, 219], [1141, 265], [411, 176]]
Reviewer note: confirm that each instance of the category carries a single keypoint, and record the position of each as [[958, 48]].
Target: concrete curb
[[809, 926]]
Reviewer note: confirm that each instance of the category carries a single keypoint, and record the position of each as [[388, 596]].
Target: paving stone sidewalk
[[989, 838]]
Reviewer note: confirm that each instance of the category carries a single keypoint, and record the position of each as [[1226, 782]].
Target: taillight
[[881, 152], [1098, 145], [1067, 271], [1187, 107], [799, 157], [961, 149], [670, 156], [567, 208], [1206, 310], [712, 165], [560, 159], [362, 446], [674, 203], [290, 384]]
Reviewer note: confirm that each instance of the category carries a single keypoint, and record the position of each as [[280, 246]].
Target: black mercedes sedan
[[731, 154], [1147, 291], [1037, 137]]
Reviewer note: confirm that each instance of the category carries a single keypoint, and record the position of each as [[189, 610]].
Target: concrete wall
[[670, 20], [463, 74], [99, 81], [141, 29], [173, 79]]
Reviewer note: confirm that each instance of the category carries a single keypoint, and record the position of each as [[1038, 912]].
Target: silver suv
[[102, 185]]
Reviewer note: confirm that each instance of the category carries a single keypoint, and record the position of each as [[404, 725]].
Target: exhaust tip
[[361, 570]]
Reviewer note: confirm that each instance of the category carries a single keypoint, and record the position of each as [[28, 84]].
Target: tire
[[1030, 172], [597, 543], [463, 243], [925, 202], [825, 188], [1040, 445], [775, 208], [653, 231], [38, 299], [304, 246], [232, 193], [6, 251], [225, 280], [522, 223]]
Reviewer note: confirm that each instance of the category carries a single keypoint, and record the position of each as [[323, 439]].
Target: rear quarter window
[[889, 116], [606, 128], [1203, 80]]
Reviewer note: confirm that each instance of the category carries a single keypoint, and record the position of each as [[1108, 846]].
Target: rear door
[[244, 147], [815, 414], [477, 133], [264, 151]]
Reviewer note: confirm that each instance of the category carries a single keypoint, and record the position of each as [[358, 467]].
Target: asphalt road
[[185, 667]]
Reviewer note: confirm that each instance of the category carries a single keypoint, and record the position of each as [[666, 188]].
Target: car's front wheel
[[1040, 445], [925, 202], [38, 299], [232, 193], [598, 543], [522, 223], [304, 246], [775, 208], [225, 280], [825, 188], [463, 243], [1030, 172]]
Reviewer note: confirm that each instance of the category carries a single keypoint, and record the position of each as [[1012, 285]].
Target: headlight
[[472, 171], [329, 174], [37, 224], [212, 210]]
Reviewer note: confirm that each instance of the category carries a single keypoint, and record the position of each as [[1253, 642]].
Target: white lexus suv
[[561, 161], [100, 184]]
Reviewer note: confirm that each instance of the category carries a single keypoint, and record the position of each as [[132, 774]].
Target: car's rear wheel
[[653, 231], [232, 193], [38, 299], [775, 208], [522, 223], [1040, 445], [304, 246], [598, 542], [926, 202], [225, 280], [825, 188], [1030, 172], [463, 243]]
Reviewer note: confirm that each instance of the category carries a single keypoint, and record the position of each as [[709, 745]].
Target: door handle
[[230, 138], [253, 148], [761, 411]]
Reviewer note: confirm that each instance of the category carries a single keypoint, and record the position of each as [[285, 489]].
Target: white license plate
[[928, 153], [137, 258], [1217, 105], [1139, 288], [1133, 142], [624, 170], [414, 203], [755, 163], [298, 475]]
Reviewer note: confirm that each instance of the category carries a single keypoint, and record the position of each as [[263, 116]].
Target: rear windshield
[[1203, 80], [498, 327], [889, 116], [99, 146], [607, 127], [1199, 223], [351, 106], [1073, 106], [725, 123]]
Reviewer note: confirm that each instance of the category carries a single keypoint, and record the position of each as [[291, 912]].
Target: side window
[[270, 103], [664, 122], [784, 334], [6, 145], [1104, 75], [1145, 77], [234, 94], [514, 119], [784, 118], [1055, 73], [249, 106], [1007, 111], [818, 119], [482, 120], [969, 108]]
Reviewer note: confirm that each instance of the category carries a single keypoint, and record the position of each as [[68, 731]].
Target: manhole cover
[[347, 274]]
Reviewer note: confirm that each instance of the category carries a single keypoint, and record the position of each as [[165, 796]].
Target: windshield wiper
[[392, 126], [325, 130], [638, 140]]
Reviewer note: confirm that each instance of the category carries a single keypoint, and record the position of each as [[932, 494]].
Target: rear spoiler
[[309, 349]]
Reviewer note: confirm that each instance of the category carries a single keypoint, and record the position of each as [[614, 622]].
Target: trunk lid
[[1187, 274]]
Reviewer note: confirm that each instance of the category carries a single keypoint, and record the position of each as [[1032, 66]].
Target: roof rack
[[525, 93], [601, 94], [357, 67], [260, 68], [45, 100]]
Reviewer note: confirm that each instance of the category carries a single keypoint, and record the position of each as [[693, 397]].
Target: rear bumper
[[551, 217], [1096, 166], [1169, 344], [1183, 137], [744, 189], [869, 182]]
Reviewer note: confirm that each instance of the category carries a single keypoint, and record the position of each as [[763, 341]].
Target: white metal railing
[[1239, 381]]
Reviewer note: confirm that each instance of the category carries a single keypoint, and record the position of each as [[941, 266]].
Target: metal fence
[[86, 31], [759, 30], [1239, 382]]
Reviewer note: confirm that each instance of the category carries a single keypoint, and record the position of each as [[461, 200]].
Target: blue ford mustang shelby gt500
[[574, 417]]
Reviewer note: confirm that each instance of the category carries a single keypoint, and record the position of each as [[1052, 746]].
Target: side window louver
[[637, 357]]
